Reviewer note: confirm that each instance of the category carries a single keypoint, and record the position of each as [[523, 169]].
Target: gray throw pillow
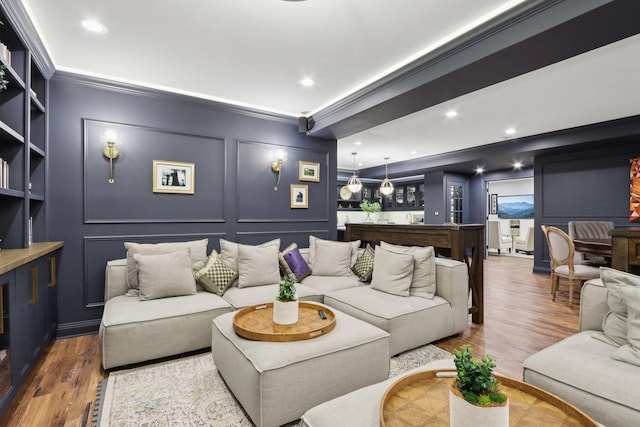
[[630, 352], [229, 253], [165, 275], [424, 272], [216, 276], [330, 258], [614, 325], [197, 255], [257, 266], [392, 272]]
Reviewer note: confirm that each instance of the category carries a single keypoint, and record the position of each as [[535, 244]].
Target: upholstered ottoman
[[276, 382]]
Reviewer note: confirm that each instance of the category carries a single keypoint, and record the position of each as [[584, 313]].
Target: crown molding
[[19, 19]]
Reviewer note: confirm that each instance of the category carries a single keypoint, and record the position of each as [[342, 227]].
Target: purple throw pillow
[[297, 264]]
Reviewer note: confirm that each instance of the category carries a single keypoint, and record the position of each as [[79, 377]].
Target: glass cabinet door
[[455, 204], [411, 196], [399, 197]]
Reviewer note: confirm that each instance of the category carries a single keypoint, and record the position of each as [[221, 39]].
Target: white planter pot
[[285, 313], [464, 414]]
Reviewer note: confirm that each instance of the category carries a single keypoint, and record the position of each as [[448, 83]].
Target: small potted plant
[[475, 398], [369, 208], [285, 306]]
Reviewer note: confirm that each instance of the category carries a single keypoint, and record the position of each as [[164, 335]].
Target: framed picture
[[299, 196], [493, 204], [308, 171], [173, 177]]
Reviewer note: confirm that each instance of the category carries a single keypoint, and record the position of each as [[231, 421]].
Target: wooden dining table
[[600, 247]]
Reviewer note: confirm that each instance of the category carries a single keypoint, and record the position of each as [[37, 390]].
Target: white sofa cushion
[[423, 283], [329, 258], [257, 266], [197, 255], [165, 275], [392, 272]]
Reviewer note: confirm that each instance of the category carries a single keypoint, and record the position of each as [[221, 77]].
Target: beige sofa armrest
[[452, 284], [115, 279], [593, 305]]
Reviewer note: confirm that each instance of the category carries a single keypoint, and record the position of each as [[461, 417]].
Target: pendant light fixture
[[354, 185], [386, 187]]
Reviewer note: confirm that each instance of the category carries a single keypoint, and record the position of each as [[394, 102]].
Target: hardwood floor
[[520, 319]]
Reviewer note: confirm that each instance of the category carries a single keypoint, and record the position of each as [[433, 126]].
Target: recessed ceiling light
[[357, 143], [517, 165], [510, 131], [307, 81], [451, 113], [479, 169], [414, 152], [360, 164], [94, 26]]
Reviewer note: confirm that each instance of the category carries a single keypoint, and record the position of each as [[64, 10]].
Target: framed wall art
[[634, 190], [493, 204], [173, 177], [299, 196], [308, 171]]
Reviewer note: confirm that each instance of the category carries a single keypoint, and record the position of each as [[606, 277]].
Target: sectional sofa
[[597, 369], [163, 311]]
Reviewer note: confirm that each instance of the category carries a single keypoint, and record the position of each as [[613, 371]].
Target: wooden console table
[[625, 249], [460, 242]]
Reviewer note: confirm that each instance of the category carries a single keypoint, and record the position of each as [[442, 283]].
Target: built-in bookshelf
[[23, 142]]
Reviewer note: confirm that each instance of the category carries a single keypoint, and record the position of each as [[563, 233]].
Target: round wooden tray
[[423, 399], [256, 323]]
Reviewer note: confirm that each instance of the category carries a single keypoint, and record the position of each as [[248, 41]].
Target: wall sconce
[[110, 151], [279, 156]]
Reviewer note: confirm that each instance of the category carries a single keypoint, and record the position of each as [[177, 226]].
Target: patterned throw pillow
[[216, 276], [363, 268]]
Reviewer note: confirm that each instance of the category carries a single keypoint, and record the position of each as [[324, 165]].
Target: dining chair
[[590, 230], [561, 253]]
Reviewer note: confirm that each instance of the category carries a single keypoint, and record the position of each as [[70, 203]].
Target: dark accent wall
[[234, 197], [585, 185]]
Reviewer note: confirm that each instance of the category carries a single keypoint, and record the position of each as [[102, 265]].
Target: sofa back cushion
[[257, 266], [330, 258], [229, 253], [197, 255], [423, 283], [392, 272]]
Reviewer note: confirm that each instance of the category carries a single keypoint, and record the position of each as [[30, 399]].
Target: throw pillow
[[424, 272], [292, 262], [165, 275], [614, 325], [392, 272], [630, 352], [329, 258], [257, 266], [215, 276], [197, 255], [229, 251], [363, 268]]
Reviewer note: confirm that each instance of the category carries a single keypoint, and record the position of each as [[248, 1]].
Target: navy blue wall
[[234, 196], [583, 185]]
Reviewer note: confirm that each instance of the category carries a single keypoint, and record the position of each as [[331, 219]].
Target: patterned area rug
[[189, 392]]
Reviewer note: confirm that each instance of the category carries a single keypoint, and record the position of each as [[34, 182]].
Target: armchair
[[524, 243], [495, 239]]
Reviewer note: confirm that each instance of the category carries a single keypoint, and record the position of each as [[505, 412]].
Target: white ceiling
[[254, 52]]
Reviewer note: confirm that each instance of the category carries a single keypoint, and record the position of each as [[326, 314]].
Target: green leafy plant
[[370, 207], [287, 289], [475, 379]]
